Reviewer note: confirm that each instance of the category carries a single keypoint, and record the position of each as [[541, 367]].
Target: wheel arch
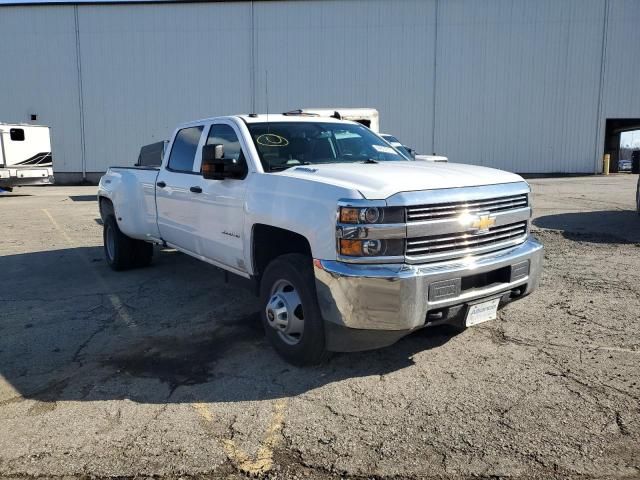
[[105, 205], [269, 242]]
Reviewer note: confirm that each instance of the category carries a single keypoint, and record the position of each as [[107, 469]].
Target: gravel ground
[[165, 371]]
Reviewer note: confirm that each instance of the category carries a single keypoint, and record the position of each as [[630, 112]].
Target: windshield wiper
[[279, 168], [370, 160]]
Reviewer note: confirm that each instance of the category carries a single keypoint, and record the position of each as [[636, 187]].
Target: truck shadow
[[84, 198], [71, 329], [609, 226]]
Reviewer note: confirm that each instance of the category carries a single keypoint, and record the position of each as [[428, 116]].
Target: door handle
[[161, 184], [196, 189]]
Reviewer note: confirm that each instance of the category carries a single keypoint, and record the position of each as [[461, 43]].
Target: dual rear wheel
[[123, 252]]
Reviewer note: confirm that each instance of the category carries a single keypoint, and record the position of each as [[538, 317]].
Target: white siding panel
[[38, 74], [517, 83], [146, 68], [359, 53], [622, 68]]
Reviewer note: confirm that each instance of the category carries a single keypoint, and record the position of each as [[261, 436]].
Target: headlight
[[371, 248], [371, 215]]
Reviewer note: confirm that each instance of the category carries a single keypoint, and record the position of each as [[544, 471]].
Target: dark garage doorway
[[613, 131]]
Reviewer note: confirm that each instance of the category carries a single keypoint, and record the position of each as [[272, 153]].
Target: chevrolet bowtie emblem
[[483, 223]]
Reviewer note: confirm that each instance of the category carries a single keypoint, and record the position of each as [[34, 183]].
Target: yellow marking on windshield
[[272, 140]]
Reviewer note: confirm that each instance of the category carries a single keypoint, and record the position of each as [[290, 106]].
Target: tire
[[122, 252], [287, 280], [638, 198]]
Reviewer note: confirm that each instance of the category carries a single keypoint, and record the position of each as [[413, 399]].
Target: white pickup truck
[[351, 244]]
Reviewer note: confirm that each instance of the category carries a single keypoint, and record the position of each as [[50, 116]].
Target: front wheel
[[290, 313]]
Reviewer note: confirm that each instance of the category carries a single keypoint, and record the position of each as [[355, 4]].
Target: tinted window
[[17, 134], [183, 151], [225, 135]]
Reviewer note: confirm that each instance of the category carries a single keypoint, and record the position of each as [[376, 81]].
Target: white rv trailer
[[369, 117], [25, 155]]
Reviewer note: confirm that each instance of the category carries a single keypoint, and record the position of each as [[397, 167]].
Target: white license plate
[[482, 312], [32, 173]]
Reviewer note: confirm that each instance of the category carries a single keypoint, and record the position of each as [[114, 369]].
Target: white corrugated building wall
[[516, 84]]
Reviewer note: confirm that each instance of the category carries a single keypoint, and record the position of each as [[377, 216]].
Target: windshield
[[282, 145], [403, 150], [396, 143]]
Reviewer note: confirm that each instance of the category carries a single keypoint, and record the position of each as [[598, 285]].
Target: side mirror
[[412, 152], [216, 167]]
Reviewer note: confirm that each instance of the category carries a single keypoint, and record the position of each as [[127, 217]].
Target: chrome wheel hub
[[284, 312]]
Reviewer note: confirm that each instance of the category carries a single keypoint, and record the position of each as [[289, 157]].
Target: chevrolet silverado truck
[[350, 244]]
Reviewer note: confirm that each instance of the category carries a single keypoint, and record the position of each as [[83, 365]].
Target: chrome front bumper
[[395, 297]]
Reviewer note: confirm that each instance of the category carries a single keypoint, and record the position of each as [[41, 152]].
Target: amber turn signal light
[[349, 215], [352, 248]]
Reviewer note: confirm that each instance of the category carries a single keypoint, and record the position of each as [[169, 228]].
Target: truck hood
[[381, 180]]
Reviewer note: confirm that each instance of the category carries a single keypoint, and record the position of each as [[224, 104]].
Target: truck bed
[[135, 167], [133, 193]]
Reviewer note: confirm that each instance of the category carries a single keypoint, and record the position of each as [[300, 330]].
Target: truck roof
[[284, 117], [271, 118]]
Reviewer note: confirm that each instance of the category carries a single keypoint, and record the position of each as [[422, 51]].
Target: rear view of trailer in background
[[369, 117], [25, 155]]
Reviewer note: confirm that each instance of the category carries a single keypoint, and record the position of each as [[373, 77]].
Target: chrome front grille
[[441, 211], [462, 244], [445, 224]]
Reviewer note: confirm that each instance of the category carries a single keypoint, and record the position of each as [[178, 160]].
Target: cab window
[[225, 135], [183, 151], [221, 134]]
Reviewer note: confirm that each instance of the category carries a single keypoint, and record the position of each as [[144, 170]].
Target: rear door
[[176, 199]]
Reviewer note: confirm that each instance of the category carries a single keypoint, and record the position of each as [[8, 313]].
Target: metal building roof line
[[115, 2]]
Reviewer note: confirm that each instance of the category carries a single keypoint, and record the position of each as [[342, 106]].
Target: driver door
[[221, 214]]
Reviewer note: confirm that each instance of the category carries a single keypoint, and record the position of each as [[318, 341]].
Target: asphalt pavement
[[165, 372]]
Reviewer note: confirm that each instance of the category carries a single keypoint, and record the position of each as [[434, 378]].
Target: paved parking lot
[[165, 371]]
